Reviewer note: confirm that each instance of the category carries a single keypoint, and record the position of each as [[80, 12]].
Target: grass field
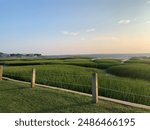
[[134, 70], [79, 79], [25, 62], [17, 97], [139, 60], [107, 60], [78, 61]]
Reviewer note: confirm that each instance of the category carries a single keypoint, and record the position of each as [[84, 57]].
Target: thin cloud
[[70, 33], [123, 21], [74, 33], [65, 32], [106, 38], [90, 30], [115, 38]]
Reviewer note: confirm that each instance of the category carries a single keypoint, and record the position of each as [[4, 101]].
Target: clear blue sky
[[74, 26]]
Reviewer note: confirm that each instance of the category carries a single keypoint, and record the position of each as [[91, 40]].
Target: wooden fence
[[94, 83]]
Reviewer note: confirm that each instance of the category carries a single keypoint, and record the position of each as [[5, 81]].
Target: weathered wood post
[[1, 73], [33, 78], [94, 88]]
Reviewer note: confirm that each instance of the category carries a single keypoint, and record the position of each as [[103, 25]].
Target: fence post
[[33, 78], [1, 73], [94, 88]]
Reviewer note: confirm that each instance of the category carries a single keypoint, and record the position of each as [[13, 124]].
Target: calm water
[[116, 56], [121, 56]]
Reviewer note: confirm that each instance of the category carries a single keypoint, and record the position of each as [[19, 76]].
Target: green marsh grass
[[78, 61], [134, 70], [79, 79], [20, 98]]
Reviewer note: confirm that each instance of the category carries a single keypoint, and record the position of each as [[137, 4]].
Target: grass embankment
[[17, 97], [93, 63], [134, 70], [139, 60], [107, 60], [79, 79], [79, 61], [25, 62]]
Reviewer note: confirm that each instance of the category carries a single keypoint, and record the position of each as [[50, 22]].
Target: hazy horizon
[[66, 27]]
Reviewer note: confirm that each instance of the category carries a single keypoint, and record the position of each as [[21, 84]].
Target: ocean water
[[114, 56], [120, 56]]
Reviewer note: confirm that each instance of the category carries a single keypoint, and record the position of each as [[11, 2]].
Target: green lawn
[[17, 97]]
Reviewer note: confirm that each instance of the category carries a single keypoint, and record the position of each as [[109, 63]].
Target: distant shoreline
[[116, 56], [97, 56]]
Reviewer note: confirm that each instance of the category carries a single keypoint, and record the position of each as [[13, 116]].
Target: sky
[[57, 27]]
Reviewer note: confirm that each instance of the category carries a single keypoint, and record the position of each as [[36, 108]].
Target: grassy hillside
[[17, 97], [134, 70], [139, 60], [79, 61], [107, 60], [80, 79], [23, 62]]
